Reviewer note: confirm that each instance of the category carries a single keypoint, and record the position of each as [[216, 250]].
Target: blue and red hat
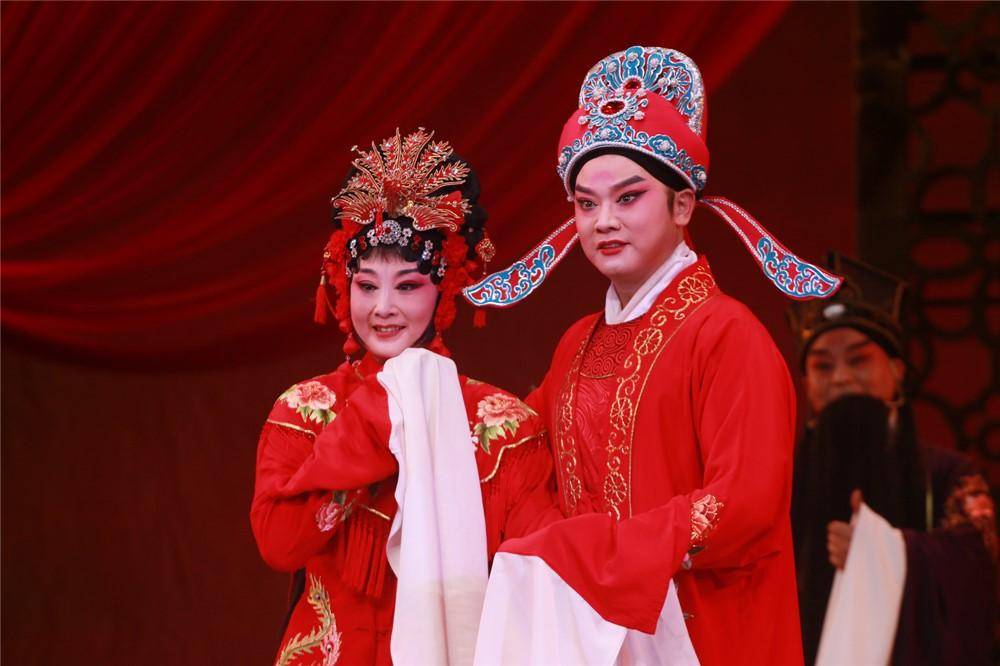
[[646, 100], [649, 104]]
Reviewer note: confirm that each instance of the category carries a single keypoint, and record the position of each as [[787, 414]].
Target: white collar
[[650, 290]]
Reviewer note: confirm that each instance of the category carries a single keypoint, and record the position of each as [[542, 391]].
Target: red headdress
[[648, 102], [413, 194]]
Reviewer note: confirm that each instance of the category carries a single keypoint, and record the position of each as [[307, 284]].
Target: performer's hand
[[839, 533], [856, 499]]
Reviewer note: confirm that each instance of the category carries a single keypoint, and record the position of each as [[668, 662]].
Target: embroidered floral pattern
[[571, 486], [325, 637], [335, 511], [692, 291], [499, 414], [648, 343], [970, 503], [704, 517], [312, 400]]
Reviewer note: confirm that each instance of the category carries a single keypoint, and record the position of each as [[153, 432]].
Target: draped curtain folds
[[167, 167]]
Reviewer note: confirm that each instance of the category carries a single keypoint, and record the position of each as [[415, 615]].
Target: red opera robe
[[673, 438], [324, 502]]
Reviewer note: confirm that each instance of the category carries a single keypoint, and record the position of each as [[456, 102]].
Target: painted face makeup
[[392, 304], [845, 361], [629, 222]]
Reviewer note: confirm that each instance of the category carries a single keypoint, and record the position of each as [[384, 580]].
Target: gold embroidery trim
[[293, 427], [566, 459], [649, 343], [607, 376], [375, 511], [503, 450], [325, 636]]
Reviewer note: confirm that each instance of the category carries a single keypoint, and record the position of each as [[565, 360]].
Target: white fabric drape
[[437, 541], [643, 299], [532, 617], [863, 611]]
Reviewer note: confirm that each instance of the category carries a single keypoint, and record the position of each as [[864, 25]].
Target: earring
[[351, 346]]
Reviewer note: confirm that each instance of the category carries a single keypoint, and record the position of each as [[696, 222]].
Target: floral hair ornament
[[414, 195], [648, 101]]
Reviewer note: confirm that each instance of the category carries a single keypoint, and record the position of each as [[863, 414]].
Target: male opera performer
[[671, 413]]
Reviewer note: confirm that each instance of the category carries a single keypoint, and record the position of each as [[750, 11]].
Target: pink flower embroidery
[[498, 414], [704, 516], [495, 410], [333, 512], [310, 394], [312, 400]]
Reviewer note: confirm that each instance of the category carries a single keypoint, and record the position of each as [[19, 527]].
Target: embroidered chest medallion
[[633, 371]]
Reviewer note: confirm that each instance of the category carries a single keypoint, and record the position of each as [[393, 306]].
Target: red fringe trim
[[320, 314], [365, 562], [494, 509]]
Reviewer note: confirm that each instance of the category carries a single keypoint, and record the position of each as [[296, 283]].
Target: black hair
[[659, 170], [422, 247]]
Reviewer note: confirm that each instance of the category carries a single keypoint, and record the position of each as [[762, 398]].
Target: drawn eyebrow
[[405, 271], [631, 180]]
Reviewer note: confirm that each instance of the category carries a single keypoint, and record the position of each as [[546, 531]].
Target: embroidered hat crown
[[647, 99]]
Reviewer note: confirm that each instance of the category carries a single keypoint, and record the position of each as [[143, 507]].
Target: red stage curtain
[[167, 167]]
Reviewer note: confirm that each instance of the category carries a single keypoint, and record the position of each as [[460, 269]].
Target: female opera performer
[[409, 235]]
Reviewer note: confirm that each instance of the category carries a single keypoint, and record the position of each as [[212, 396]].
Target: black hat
[[870, 301]]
